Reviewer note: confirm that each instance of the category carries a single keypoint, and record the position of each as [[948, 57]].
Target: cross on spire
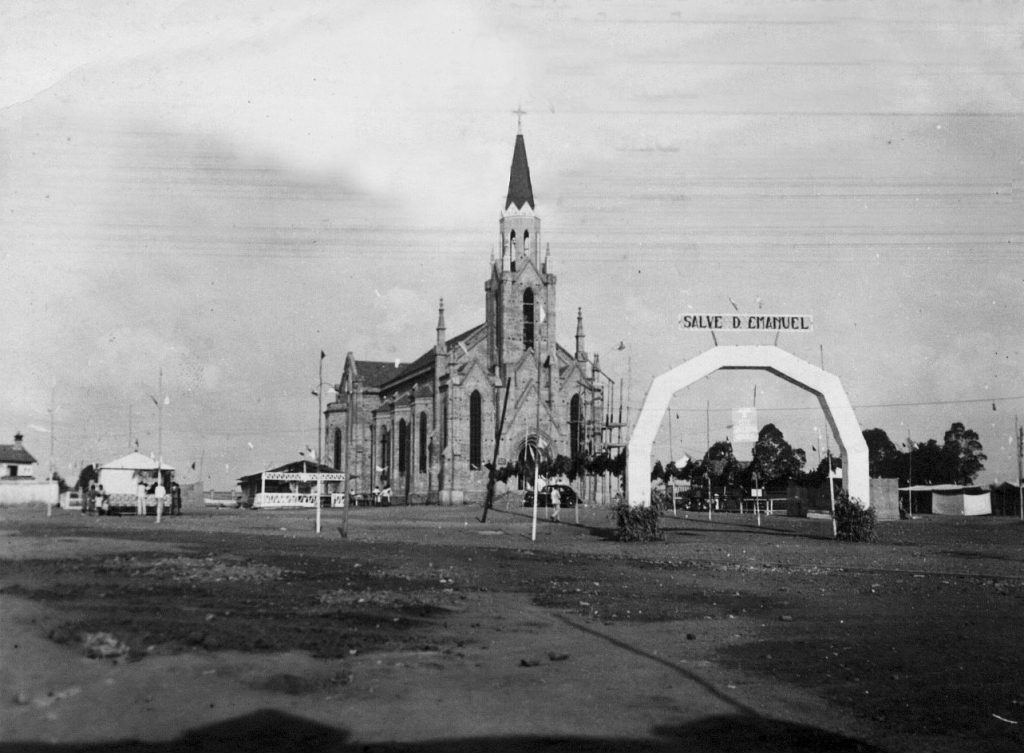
[[519, 112]]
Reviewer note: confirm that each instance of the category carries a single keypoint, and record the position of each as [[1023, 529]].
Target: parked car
[[567, 497]]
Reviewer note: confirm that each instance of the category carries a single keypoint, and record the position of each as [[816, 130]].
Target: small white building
[[16, 462], [18, 482]]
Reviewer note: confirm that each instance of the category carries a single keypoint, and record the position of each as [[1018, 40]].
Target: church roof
[[427, 359], [377, 373], [520, 189]]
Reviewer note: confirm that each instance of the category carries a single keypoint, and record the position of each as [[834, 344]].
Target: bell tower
[[520, 291]]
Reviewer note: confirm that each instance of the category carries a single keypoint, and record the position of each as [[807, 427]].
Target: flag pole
[[319, 434]]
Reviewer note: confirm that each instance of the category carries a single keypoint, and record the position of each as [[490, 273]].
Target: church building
[[427, 428]]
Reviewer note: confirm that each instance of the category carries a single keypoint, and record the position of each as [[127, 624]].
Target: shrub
[[660, 500], [854, 522], [637, 523]]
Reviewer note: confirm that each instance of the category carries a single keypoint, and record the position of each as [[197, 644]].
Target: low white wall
[[25, 492]]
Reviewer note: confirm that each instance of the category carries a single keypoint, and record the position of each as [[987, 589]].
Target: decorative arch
[[527, 449], [827, 387]]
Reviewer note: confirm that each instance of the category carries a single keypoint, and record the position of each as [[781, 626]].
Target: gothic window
[[403, 447], [337, 449], [528, 318], [526, 241], [512, 243], [444, 424], [575, 427], [385, 455], [423, 442], [475, 430]]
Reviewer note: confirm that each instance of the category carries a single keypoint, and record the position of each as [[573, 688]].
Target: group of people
[[97, 500]]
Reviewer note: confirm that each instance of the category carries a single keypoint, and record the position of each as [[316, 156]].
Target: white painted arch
[[826, 386]]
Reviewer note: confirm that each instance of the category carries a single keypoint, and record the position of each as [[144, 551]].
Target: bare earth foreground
[[426, 630]]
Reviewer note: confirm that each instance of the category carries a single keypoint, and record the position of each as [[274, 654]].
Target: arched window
[[423, 442], [526, 241], [444, 424], [475, 430], [512, 243], [385, 456], [528, 318], [337, 449], [575, 427], [403, 447]]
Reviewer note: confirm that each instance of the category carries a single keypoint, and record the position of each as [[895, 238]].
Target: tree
[[884, 458], [720, 463], [930, 464], [962, 452], [774, 459], [89, 473], [658, 472]]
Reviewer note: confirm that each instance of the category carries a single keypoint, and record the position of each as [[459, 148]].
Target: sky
[[196, 198]]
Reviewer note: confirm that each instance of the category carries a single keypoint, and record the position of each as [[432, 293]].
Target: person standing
[[556, 503]]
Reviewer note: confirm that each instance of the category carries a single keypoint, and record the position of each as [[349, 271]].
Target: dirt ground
[[427, 630]]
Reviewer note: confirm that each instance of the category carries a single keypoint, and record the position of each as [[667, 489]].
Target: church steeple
[[520, 189], [521, 305]]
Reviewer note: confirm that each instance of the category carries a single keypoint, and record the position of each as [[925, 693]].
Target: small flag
[[993, 406], [621, 345], [322, 355]]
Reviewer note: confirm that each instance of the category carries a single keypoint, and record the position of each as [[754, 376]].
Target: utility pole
[[319, 434], [348, 443], [53, 409], [1020, 463], [910, 476], [160, 447]]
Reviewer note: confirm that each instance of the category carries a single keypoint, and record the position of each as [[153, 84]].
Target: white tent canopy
[[122, 476], [135, 461]]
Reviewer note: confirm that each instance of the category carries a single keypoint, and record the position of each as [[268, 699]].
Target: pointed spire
[[520, 189], [580, 348], [441, 347]]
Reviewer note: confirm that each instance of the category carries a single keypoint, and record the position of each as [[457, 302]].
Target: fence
[[272, 500]]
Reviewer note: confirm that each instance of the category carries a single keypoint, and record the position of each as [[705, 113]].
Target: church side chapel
[[426, 429]]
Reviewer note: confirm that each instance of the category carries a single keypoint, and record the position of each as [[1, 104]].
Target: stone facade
[[427, 428]]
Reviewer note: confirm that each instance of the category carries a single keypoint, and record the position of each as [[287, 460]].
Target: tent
[[963, 502], [122, 476], [953, 499]]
